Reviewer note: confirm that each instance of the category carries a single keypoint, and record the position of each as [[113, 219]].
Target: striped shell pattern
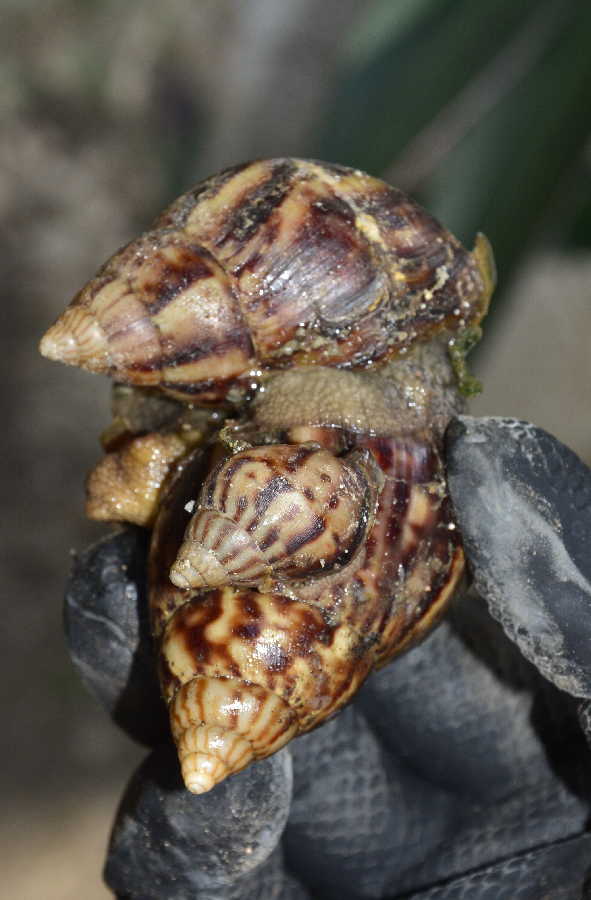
[[272, 264], [312, 539]]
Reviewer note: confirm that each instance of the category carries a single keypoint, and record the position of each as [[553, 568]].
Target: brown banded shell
[[325, 550], [281, 510], [245, 670], [274, 263]]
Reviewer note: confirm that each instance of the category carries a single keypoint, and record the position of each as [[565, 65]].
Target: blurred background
[[480, 110]]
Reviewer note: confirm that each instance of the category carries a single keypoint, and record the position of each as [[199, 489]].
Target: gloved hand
[[458, 758]]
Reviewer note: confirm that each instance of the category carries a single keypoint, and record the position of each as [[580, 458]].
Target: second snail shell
[[282, 511], [303, 535], [287, 654]]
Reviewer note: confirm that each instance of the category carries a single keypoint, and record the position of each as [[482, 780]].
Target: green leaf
[[384, 102], [505, 174]]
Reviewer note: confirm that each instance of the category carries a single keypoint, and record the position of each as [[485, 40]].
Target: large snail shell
[[277, 510], [272, 263], [246, 670]]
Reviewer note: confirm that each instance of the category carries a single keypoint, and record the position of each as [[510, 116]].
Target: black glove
[[457, 758]]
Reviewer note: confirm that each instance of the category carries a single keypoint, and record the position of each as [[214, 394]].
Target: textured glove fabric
[[523, 502], [459, 771]]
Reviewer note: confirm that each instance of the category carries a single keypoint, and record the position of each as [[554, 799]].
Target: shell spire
[[220, 725], [77, 340], [244, 672]]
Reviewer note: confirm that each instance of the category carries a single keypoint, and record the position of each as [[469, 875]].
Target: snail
[[289, 340]]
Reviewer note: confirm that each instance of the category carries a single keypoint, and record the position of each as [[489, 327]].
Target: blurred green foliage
[[481, 110]]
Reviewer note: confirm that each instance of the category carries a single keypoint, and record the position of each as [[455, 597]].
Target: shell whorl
[[274, 263], [77, 339], [261, 666], [278, 511], [222, 724]]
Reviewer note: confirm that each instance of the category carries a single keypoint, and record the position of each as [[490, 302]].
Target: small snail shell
[[290, 511], [276, 263]]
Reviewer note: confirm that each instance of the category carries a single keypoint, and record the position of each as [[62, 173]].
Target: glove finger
[[169, 843], [270, 881], [584, 717], [456, 708], [467, 711], [358, 819], [558, 871], [523, 502], [108, 633]]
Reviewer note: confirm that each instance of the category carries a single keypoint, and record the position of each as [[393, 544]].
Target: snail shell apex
[[278, 510], [276, 263], [220, 725]]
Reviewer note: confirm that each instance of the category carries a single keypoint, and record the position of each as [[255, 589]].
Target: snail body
[[312, 539]]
